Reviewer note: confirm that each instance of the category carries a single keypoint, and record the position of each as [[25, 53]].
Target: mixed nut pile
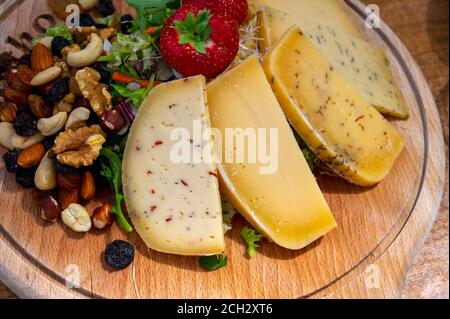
[[56, 113]]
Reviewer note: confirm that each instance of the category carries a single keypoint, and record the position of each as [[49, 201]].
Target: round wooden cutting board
[[380, 229]]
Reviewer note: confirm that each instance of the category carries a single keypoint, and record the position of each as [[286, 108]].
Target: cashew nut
[[87, 4], [46, 76], [77, 218], [10, 139], [6, 132], [88, 55], [45, 177], [47, 41], [78, 115], [52, 125]]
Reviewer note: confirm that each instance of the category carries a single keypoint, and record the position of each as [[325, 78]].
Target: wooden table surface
[[423, 27]]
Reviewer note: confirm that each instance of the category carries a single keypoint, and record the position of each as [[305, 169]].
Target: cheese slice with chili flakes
[[175, 207]]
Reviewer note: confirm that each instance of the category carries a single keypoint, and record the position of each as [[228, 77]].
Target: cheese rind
[[287, 206], [341, 128], [175, 208], [364, 65]]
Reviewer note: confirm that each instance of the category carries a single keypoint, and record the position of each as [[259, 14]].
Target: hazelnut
[[67, 197], [87, 191], [8, 112], [101, 218], [112, 121], [39, 107], [69, 182], [49, 208]]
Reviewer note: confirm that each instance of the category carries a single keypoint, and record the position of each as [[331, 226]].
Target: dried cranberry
[[106, 8], [58, 91], [86, 20], [126, 23], [59, 43], [119, 254], [100, 67], [49, 142], [10, 159], [26, 123], [25, 177], [64, 169]]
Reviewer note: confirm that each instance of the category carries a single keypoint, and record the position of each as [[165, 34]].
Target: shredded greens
[[136, 97], [142, 7], [251, 237], [228, 213], [112, 171], [58, 30], [213, 262]]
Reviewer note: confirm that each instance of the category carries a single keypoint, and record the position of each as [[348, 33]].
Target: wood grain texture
[[336, 266]]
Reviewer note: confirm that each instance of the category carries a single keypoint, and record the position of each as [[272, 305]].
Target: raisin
[[59, 43], [119, 254], [26, 123], [58, 91], [10, 159], [106, 8], [64, 169], [86, 20], [6, 60], [25, 177], [126, 23], [49, 142], [25, 60], [105, 75]]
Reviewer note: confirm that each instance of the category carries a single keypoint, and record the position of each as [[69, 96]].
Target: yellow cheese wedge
[[277, 16], [363, 65], [342, 129], [287, 206], [174, 206]]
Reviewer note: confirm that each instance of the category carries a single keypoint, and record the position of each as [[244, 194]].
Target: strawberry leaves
[[195, 30]]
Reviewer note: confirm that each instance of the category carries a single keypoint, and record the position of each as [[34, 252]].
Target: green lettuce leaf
[[251, 237]]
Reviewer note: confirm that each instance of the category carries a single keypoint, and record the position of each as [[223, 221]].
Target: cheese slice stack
[[363, 65], [287, 206], [175, 208], [342, 129]]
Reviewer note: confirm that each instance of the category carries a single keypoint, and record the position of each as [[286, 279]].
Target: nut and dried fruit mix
[[69, 103]]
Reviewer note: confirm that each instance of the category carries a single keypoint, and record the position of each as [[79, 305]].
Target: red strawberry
[[237, 9], [195, 42]]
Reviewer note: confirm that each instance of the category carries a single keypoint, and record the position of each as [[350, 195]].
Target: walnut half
[[97, 93], [79, 147]]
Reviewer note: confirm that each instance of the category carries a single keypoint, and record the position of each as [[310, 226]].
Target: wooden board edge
[[27, 282], [25, 279]]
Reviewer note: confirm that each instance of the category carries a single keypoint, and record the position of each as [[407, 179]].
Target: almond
[[70, 182], [67, 197], [87, 191], [41, 58], [31, 156]]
